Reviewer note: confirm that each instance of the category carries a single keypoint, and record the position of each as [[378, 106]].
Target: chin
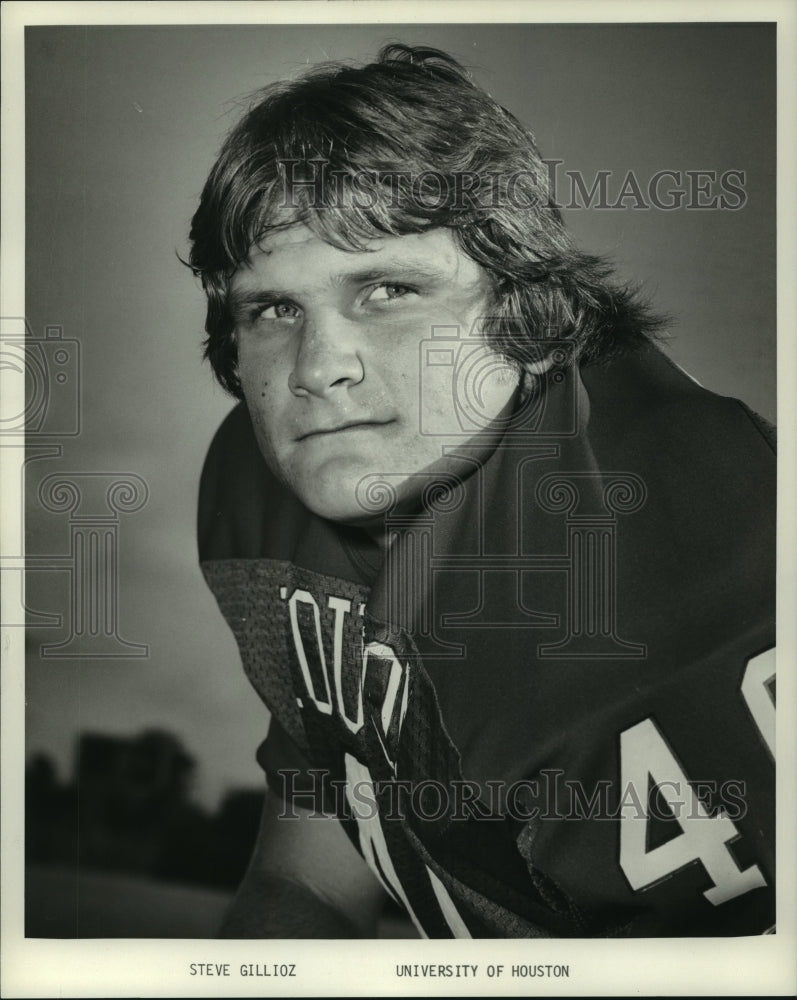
[[341, 489], [338, 499], [342, 510]]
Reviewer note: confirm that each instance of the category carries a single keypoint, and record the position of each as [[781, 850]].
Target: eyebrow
[[387, 269], [239, 300]]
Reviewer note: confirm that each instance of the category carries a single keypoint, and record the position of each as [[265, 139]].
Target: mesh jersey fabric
[[548, 710]]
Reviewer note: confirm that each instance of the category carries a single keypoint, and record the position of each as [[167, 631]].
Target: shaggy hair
[[399, 146]]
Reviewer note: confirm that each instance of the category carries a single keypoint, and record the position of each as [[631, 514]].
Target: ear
[[530, 372], [539, 367]]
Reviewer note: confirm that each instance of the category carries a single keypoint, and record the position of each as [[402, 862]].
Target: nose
[[327, 359]]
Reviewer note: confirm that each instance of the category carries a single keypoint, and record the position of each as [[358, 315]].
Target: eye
[[280, 311], [387, 292]]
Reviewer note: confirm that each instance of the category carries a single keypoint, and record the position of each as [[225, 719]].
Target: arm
[[305, 880]]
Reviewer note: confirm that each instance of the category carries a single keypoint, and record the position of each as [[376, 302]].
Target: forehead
[[296, 254]]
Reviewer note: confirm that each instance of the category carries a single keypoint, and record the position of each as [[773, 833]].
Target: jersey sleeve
[[666, 826], [247, 529]]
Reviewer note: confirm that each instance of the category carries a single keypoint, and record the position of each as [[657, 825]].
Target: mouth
[[352, 425]]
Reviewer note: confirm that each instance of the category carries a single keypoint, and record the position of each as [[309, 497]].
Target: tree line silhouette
[[128, 809]]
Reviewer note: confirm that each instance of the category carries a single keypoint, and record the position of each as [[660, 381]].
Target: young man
[[502, 573]]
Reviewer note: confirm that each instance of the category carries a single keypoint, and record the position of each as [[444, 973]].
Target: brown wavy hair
[[398, 146]]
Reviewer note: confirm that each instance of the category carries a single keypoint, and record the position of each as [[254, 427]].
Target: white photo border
[[103, 967]]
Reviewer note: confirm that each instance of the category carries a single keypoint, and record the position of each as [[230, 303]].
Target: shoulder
[[235, 491], [643, 403], [707, 463], [233, 442]]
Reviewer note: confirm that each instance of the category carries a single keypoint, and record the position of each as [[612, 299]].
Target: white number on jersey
[[703, 838], [758, 674]]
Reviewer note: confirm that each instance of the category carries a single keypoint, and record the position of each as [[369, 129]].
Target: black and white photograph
[[395, 536]]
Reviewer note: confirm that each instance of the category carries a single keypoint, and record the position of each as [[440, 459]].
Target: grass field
[[63, 903]]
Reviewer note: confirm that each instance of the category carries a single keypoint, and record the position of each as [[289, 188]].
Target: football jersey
[[548, 708]]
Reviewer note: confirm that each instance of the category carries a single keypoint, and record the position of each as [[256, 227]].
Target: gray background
[[122, 127]]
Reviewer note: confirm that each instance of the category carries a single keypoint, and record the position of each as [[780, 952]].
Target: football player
[[502, 573]]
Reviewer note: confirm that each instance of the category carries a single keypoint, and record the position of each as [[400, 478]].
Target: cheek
[[261, 401], [253, 369], [260, 360], [259, 377]]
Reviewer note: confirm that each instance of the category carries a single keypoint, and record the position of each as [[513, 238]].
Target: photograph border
[[124, 967]]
